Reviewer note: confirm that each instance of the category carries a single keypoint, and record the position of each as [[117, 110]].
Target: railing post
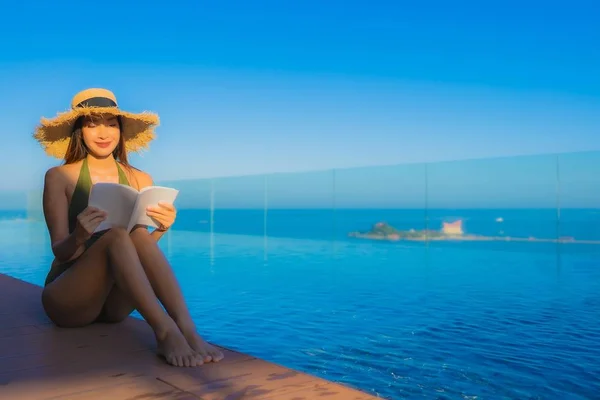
[[265, 218], [212, 222]]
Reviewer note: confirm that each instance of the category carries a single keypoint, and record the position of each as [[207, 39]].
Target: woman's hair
[[77, 149]]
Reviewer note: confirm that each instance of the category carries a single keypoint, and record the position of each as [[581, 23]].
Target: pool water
[[396, 320]]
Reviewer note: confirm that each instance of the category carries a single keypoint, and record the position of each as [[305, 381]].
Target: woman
[[103, 277]]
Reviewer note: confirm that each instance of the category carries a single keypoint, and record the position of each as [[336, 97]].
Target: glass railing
[[499, 203], [468, 278]]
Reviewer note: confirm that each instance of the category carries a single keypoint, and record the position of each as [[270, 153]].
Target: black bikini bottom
[[58, 270]]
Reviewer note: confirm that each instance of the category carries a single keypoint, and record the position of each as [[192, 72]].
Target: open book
[[125, 206]]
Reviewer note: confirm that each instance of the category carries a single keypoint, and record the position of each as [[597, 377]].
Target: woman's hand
[[164, 214], [87, 222]]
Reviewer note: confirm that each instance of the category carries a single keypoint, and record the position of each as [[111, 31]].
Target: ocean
[[437, 320], [334, 225]]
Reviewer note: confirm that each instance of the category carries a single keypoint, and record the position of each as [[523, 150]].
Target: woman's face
[[101, 134]]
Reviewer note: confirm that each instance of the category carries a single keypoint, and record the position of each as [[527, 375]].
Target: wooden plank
[[71, 346], [254, 379], [137, 388], [95, 369], [59, 385], [99, 384], [324, 390], [18, 331]]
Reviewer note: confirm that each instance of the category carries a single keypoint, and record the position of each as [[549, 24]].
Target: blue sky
[[270, 86]]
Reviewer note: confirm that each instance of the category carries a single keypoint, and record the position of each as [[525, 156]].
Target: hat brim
[[54, 134]]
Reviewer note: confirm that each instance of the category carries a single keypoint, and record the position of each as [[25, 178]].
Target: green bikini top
[[81, 194]]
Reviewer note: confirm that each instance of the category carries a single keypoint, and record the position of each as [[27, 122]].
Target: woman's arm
[[56, 207]]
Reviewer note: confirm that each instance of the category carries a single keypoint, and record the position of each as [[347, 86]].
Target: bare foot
[[205, 350], [174, 347]]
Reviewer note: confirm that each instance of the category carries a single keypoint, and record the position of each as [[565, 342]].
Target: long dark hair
[[77, 149]]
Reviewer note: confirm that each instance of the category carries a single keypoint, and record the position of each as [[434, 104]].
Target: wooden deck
[[39, 361]]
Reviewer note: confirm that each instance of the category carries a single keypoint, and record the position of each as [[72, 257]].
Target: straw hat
[[54, 134]]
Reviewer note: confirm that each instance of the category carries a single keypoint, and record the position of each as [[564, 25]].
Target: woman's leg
[[77, 297], [118, 305]]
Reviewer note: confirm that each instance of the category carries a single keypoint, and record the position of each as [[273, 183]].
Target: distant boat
[[499, 219]]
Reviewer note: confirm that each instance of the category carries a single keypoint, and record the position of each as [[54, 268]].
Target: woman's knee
[[140, 231], [117, 235], [141, 236]]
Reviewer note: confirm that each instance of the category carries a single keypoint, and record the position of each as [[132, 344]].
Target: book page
[[117, 200], [151, 196]]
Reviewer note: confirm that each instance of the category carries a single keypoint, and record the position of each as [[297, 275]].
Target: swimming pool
[[398, 320]]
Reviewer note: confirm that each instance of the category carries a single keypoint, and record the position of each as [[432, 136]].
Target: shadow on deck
[[41, 361]]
